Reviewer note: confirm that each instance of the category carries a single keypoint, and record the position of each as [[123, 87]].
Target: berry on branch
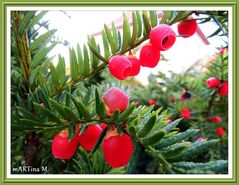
[[162, 37], [149, 56], [186, 113], [187, 27], [151, 102], [220, 131], [135, 65], [212, 82], [118, 150], [223, 90], [116, 98], [215, 119], [61, 147], [120, 67]]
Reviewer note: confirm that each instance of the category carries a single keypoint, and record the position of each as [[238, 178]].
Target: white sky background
[[81, 23]]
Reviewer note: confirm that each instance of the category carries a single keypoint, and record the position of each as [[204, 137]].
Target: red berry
[[61, 147], [149, 56], [88, 138], [222, 51], [103, 126], [186, 113], [151, 102], [223, 91], [220, 131], [200, 139], [169, 121], [162, 37], [187, 27], [215, 119], [118, 150], [120, 67], [116, 98], [212, 82], [135, 65]]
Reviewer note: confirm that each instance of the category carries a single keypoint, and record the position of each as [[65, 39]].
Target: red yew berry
[[103, 126], [151, 102], [223, 90], [186, 113], [118, 150], [215, 119], [116, 98], [187, 27], [120, 67], [222, 51], [200, 139], [162, 37], [135, 65], [220, 131], [61, 147], [149, 56], [88, 138], [212, 82], [186, 95]]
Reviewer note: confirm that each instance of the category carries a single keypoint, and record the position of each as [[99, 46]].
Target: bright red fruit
[[200, 139], [223, 91], [103, 126], [88, 138], [212, 82], [61, 147], [135, 65], [151, 102], [187, 27], [120, 67], [149, 56], [215, 119], [116, 98], [162, 37], [220, 131], [118, 150], [186, 113]]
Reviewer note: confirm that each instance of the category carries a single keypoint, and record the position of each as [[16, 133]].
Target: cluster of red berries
[[222, 87], [117, 149]]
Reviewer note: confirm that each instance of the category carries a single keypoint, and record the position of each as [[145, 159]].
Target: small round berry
[[135, 65], [89, 137], [222, 51], [215, 119], [186, 113], [220, 131], [118, 150], [103, 126], [200, 139], [151, 102], [187, 27], [61, 147], [120, 67], [116, 98], [212, 82], [162, 37], [169, 121], [149, 56], [223, 90]]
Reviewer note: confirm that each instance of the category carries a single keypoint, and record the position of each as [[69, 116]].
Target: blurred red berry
[[89, 137], [222, 51], [186, 113], [223, 90], [186, 95], [187, 27], [61, 147], [135, 65], [149, 56], [220, 131], [116, 98], [118, 150], [200, 139], [103, 126], [151, 102], [212, 82], [120, 67], [162, 37], [215, 119]]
